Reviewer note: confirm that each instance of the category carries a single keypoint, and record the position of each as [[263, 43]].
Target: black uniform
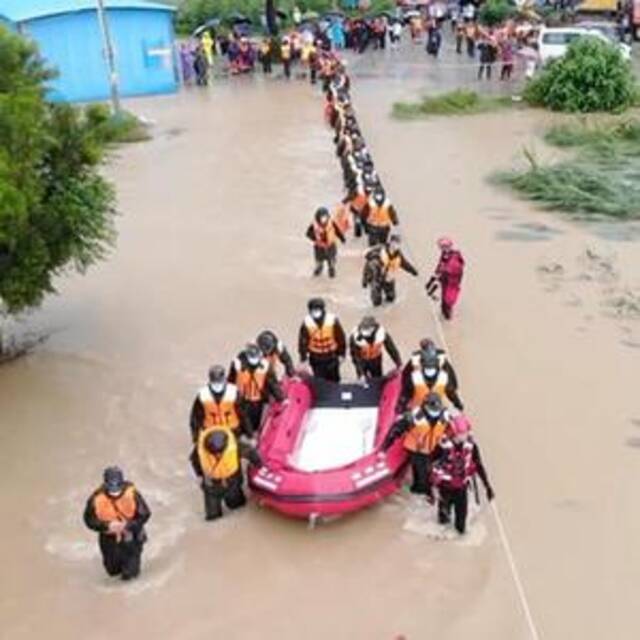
[[371, 367], [323, 365], [272, 389], [120, 557]]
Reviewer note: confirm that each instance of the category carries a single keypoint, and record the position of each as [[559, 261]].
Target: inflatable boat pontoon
[[321, 452]]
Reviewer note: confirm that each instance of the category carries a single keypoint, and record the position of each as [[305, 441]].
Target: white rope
[[504, 540], [496, 514]]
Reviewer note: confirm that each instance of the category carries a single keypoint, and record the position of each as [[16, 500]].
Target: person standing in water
[[324, 233], [117, 511], [459, 460], [366, 345], [448, 276], [322, 341]]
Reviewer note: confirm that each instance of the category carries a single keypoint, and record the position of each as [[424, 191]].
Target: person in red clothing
[[448, 276], [324, 233], [458, 460]]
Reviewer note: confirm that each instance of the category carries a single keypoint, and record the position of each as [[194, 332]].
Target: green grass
[[458, 102], [602, 179], [116, 129]]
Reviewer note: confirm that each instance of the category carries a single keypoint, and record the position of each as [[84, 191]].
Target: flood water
[[211, 250]]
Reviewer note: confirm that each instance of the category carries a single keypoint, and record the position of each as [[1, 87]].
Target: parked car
[[554, 42]]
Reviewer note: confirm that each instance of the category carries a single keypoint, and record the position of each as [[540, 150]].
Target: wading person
[[379, 216], [418, 359], [448, 276], [256, 382], [367, 343], [216, 462], [285, 56], [392, 260], [275, 352], [118, 512], [324, 233], [430, 378], [423, 428], [458, 462], [218, 404], [487, 49], [322, 341]]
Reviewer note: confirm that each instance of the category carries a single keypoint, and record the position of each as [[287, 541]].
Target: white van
[[554, 42]]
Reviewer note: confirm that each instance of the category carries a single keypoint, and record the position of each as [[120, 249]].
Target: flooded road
[[211, 251]]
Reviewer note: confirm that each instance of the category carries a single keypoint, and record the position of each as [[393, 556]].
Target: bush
[[458, 102], [494, 12], [56, 210], [592, 76], [113, 129]]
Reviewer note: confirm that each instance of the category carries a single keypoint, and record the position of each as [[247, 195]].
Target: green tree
[[592, 76], [495, 12], [56, 210]]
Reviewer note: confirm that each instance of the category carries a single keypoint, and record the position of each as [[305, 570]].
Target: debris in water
[[551, 268]]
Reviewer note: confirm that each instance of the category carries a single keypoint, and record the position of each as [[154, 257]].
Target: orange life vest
[[341, 218], [421, 389], [370, 350], [122, 507], [251, 382], [390, 264], [359, 201], [322, 339], [223, 466], [223, 413], [424, 437], [379, 216], [325, 237]]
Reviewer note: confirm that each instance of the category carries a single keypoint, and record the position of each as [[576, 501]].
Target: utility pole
[[109, 56]]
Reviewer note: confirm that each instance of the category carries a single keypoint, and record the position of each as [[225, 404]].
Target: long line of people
[[227, 413]]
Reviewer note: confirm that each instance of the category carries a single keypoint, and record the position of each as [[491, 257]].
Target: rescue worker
[[256, 382], [448, 275], [324, 233], [118, 512], [419, 357], [457, 464], [366, 344], [275, 352], [216, 461], [423, 428], [285, 56], [379, 216], [218, 404], [322, 341], [429, 378], [265, 53], [382, 281], [342, 216]]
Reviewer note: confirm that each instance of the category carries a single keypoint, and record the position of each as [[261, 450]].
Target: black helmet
[[433, 404], [316, 303], [113, 480], [253, 354], [394, 239], [217, 374], [268, 342], [431, 361], [216, 441], [322, 212], [378, 195], [368, 326]]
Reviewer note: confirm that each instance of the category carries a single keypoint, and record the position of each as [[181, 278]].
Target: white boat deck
[[333, 437]]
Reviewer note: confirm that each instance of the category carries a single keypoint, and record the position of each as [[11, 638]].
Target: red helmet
[[445, 243]]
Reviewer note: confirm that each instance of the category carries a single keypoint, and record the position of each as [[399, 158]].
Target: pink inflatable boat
[[321, 452]]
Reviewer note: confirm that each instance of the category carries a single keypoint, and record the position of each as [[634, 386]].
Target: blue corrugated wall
[[72, 43]]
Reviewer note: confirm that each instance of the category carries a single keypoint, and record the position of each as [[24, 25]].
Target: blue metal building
[[69, 37]]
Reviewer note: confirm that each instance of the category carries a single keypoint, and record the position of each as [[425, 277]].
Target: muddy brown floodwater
[[211, 250]]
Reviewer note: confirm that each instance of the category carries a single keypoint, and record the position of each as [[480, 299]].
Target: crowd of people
[[304, 45], [227, 413]]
